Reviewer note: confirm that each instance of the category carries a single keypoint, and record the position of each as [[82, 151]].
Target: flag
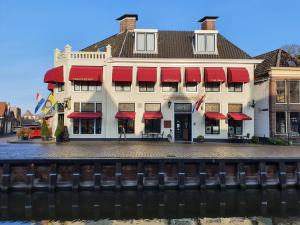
[[39, 102], [49, 104], [198, 104]]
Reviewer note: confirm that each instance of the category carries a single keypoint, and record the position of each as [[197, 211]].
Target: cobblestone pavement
[[130, 149]]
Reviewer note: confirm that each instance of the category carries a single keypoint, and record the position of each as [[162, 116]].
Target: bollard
[[282, 175], [202, 175], [161, 175], [118, 176], [140, 175], [242, 175], [97, 176], [181, 175]]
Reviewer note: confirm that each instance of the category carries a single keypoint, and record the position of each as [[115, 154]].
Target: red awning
[[50, 87], [239, 116], [86, 73], [152, 115], [237, 75], [125, 115], [170, 74], [85, 115], [214, 75], [146, 74], [192, 75], [122, 74], [55, 75], [215, 116]]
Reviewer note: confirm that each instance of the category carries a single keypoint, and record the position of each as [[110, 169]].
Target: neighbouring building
[[147, 81], [277, 91], [28, 119], [17, 114], [7, 119]]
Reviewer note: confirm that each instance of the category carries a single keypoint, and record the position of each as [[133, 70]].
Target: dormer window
[[205, 42], [145, 41]]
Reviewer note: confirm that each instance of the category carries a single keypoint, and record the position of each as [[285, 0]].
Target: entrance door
[[183, 127]]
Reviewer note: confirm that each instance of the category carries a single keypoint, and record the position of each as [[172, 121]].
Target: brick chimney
[[127, 22], [208, 22]]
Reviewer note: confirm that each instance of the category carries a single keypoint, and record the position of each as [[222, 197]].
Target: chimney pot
[[208, 22], [127, 22]]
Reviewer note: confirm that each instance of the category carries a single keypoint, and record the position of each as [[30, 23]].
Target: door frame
[[190, 122]]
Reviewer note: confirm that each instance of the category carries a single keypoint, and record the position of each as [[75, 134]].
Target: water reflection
[[88, 205]]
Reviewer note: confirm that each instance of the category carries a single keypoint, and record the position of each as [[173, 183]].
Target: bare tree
[[292, 49]]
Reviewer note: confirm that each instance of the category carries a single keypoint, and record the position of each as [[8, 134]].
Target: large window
[[127, 124], [170, 87], [152, 125], [87, 126], [295, 91], [146, 86], [122, 86], [205, 43], [280, 91], [212, 126], [212, 87], [235, 87], [280, 122], [191, 87], [235, 127], [295, 122], [145, 42], [87, 86]]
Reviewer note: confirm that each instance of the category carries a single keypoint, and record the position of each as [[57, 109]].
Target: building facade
[[146, 81], [7, 119], [277, 90]]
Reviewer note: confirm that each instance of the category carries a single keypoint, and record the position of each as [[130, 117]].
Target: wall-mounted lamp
[[169, 104], [252, 104]]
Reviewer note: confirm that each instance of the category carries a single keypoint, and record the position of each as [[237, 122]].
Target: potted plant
[[199, 139], [44, 131], [24, 133], [59, 132]]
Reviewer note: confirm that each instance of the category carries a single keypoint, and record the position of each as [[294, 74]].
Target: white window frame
[[145, 32], [205, 32], [289, 92]]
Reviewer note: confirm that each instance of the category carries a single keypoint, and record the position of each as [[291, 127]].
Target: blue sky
[[31, 29]]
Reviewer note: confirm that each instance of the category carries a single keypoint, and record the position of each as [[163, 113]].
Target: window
[[170, 87], [87, 107], [182, 107], [280, 122], [98, 107], [212, 87], [152, 107], [126, 107], [205, 43], [60, 87], [87, 126], [295, 91], [295, 122], [235, 87], [280, 91], [152, 126], [87, 86], [128, 124], [235, 127], [145, 42], [76, 107], [122, 86], [212, 126], [60, 107], [191, 87], [76, 126], [146, 87]]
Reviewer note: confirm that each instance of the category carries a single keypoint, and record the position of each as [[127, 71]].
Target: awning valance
[[55, 75], [50, 87], [125, 115], [86, 73], [146, 74], [85, 115], [192, 75], [152, 115], [237, 75], [215, 116], [170, 74], [214, 75], [122, 74], [239, 116]]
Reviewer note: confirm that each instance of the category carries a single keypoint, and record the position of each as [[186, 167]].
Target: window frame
[[289, 94], [163, 85], [195, 85], [212, 83], [235, 88], [209, 120], [122, 86], [205, 34], [146, 33], [285, 92], [147, 87], [285, 114], [97, 86], [60, 87]]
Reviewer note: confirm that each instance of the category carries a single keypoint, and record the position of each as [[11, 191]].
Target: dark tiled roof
[[276, 58], [171, 44]]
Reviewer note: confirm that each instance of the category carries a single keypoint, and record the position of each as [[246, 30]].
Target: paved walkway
[[129, 149]]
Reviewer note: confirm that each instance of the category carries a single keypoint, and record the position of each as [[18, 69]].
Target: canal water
[[89, 206]]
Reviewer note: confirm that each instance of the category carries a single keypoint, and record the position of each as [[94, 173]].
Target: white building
[[148, 81]]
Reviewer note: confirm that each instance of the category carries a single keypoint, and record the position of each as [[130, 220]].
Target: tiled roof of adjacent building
[[276, 58], [3, 107], [171, 44]]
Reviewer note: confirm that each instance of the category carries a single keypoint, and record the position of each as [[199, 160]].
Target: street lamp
[[169, 104]]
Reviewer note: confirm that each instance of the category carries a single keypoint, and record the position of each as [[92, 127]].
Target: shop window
[[295, 91], [212, 126], [212, 87], [170, 87], [87, 126], [235, 87], [122, 86], [280, 91], [127, 124], [152, 126], [152, 107], [235, 127], [295, 122], [280, 122], [146, 87], [76, 126]]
